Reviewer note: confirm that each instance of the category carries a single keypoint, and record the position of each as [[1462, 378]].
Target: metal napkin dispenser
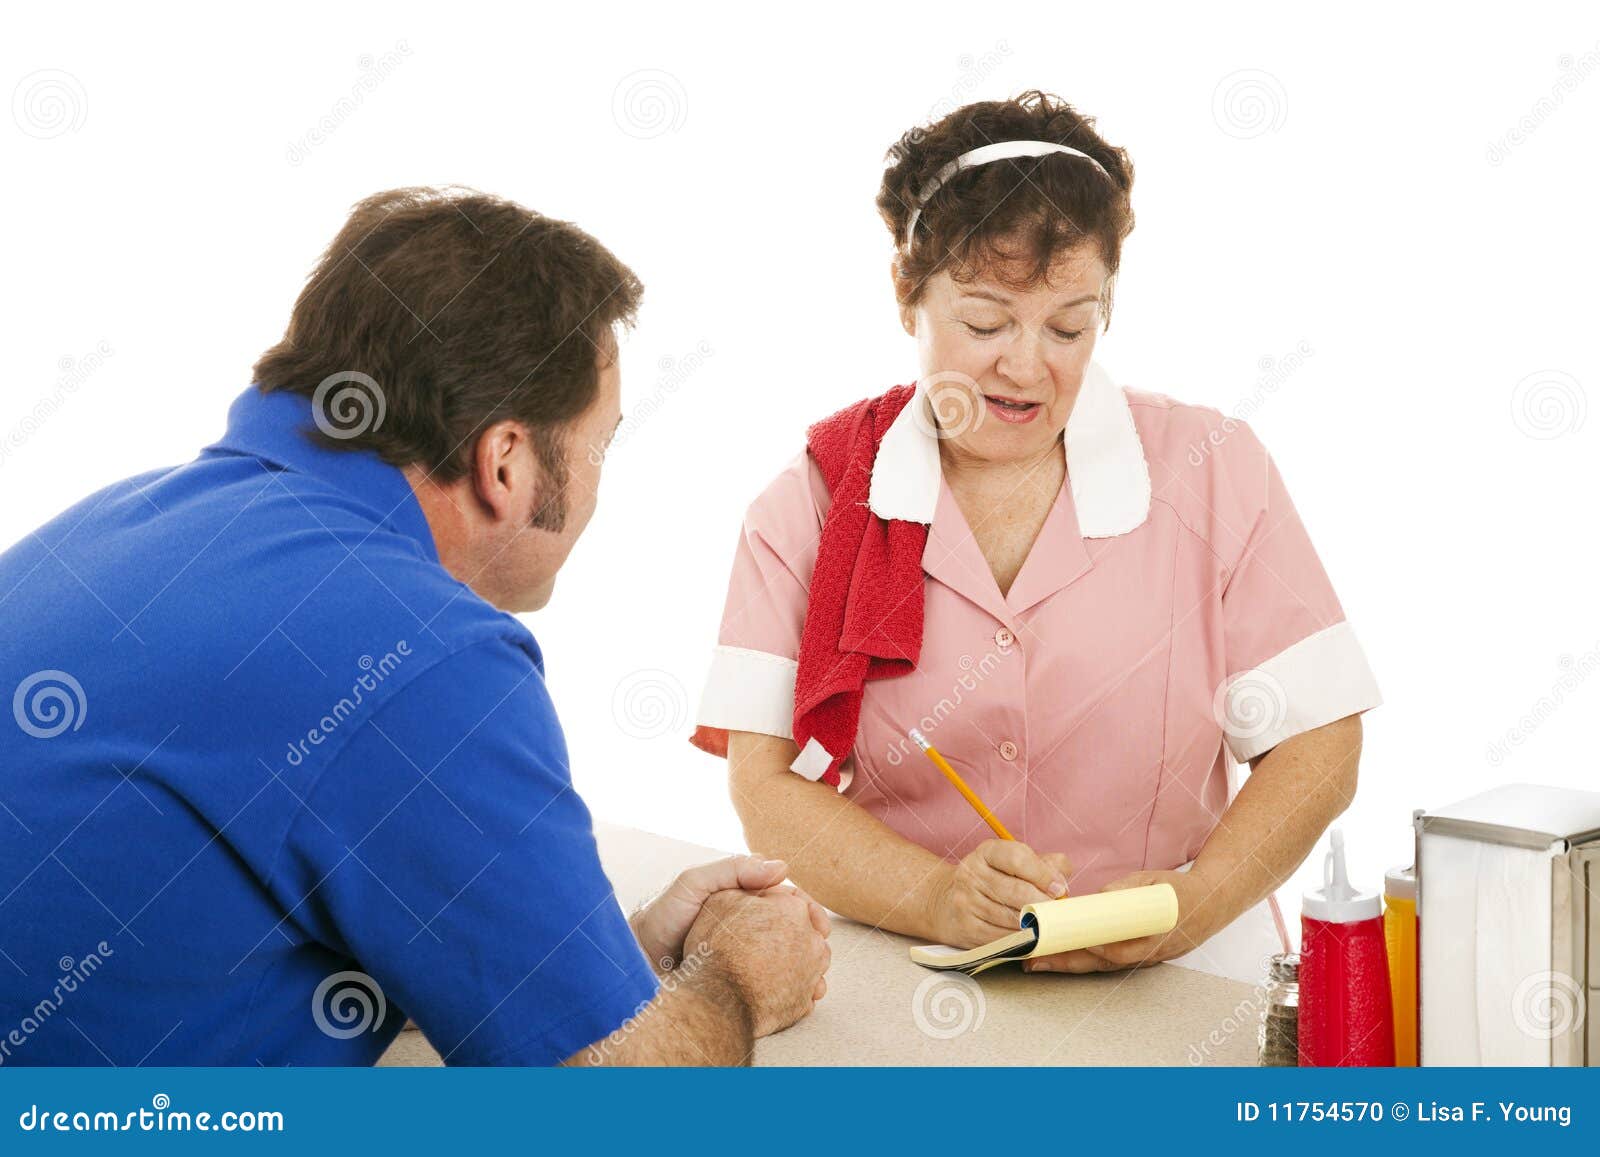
[[1508, 913]]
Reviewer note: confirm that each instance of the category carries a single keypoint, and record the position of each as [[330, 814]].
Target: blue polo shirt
[[272, 781]]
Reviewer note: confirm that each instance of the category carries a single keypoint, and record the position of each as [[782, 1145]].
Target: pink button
[[1008, 750], [1004, 638]]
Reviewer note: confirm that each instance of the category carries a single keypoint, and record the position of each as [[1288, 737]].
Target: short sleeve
[[1293, 661], [445, 852], [750, 685]]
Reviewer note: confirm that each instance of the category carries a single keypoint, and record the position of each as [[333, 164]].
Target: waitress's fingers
[[978, 919], [1009, 892], [1061, 863], [1018, 860], [995, 915], [985, 933], [1078, 960], [1125, 952], [1004, 888]]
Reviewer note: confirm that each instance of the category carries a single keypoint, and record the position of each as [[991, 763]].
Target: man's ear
[[502, 464]]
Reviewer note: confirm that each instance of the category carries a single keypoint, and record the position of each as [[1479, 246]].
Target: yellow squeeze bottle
[[1400, 938]]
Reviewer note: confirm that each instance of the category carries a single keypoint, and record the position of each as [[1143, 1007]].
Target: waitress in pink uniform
[[1094, 600]]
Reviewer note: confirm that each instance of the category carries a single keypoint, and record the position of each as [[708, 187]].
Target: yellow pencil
[[960, 785]]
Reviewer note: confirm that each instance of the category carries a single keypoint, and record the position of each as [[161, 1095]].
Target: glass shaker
[[1280, 1022]]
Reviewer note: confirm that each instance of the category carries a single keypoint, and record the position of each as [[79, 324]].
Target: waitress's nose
[[1023, 362]]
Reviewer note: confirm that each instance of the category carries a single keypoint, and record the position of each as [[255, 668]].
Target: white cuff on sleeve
[[754, 691], [1321, 678], [749, 691]]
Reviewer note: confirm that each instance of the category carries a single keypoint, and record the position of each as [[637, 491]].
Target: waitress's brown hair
[[1009, 219]]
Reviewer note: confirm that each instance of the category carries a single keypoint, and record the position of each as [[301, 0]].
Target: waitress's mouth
[[1011, 410]]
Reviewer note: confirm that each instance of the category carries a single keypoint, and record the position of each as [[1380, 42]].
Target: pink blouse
[[1171, 616]]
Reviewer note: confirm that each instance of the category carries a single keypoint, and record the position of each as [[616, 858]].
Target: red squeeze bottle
[[1345, 1014]]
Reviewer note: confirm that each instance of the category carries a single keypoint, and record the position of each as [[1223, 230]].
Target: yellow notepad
[[1063, 925]]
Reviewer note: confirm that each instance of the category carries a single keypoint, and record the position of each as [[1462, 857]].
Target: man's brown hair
[[461, 309], [1011, 218]]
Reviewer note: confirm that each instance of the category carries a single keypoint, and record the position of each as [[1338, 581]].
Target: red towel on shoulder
[[864, 610]]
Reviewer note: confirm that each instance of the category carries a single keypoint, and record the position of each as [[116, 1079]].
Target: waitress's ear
[[908, 313]]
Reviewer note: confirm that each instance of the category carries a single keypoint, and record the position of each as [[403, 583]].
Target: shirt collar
[[1106, 466], [277, 426]]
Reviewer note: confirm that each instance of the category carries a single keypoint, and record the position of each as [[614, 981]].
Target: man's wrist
[[697, 1018], [661, 961], [714, 987]]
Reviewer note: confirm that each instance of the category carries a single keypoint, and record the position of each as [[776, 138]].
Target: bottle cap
[[1400, 883], [1336, 902]]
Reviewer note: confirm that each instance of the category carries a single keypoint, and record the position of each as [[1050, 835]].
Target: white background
[[1410, 193]]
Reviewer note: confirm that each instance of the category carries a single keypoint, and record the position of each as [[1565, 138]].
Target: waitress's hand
[[981, 898], [1200, 916]]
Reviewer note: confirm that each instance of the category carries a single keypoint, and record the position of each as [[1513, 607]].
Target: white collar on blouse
[[1105, 462]]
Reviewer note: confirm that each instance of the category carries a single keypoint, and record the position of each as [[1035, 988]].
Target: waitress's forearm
[[846, 858], [1288, 801]]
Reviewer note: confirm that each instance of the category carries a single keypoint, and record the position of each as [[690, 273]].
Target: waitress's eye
[[981, 331], [1067, 335]]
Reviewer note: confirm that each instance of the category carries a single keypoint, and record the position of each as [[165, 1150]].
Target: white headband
[[999, 151]]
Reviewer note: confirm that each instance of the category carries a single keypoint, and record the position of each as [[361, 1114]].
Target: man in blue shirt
[[281, 769]]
